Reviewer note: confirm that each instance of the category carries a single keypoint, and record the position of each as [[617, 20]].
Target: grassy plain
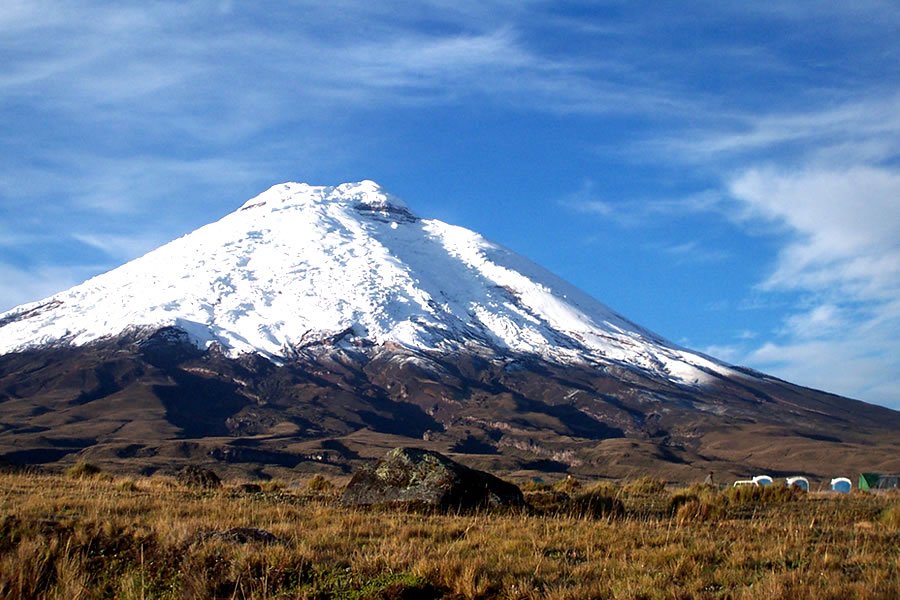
[[86, 535]]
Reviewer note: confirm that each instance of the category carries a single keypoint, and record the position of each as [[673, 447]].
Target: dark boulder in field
[[249, 488], [198, 477], [421, 479], [236, 535]]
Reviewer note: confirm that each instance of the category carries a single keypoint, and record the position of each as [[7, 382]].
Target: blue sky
[[724, 173]]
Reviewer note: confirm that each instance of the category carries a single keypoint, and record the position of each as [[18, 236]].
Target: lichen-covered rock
[[422, 479], [198, 477]]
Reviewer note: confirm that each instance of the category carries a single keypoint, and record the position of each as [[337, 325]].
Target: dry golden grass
[[144, 538]]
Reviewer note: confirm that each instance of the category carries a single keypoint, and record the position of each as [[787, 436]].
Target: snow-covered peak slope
[[300, 263], [362, 195]]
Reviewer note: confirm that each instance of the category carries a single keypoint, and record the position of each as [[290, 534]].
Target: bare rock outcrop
[[414, 478]]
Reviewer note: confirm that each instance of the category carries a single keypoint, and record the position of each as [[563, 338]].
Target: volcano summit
[[300, 264], [315, 326]]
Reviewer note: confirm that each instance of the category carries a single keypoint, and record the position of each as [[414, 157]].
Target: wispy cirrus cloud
[[841, 252], [127, 92], [843, 224], [822, 184], [630, 211], [861, 366], [693, 251], [118, 186], [192, 70], [586, 199], [854, 130]]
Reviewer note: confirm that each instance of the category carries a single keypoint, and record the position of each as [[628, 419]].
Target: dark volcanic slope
[[159, 402]]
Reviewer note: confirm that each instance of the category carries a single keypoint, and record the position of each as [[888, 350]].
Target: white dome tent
[[841, 485], [798, 482]]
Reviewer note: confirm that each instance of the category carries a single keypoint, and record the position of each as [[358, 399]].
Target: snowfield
[[300, 263]]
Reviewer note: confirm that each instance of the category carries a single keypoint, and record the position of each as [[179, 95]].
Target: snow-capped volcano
[[315, 326], [299, 264]]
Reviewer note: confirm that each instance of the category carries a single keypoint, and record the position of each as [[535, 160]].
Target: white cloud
[[822, 321], [844, 228], [641, 211], [854, 130], [694, 252], [120, 186], [191, 69], [859, 365], [587, 200], [841, 250], [824, 185]]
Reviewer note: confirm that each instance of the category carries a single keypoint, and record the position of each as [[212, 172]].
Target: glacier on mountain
[[299, 264]]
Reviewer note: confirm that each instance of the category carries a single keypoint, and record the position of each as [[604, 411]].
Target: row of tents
[[842, 485]]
